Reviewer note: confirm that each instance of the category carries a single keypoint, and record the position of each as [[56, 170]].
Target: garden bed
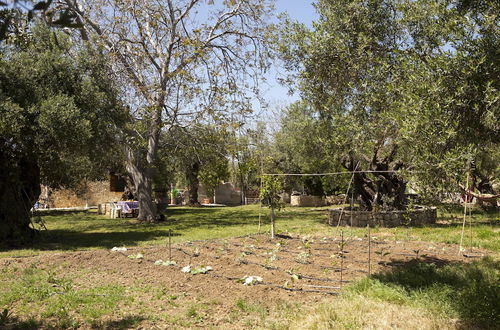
[[295, 271]]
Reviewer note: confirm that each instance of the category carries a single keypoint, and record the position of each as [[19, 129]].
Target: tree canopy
[[180, 62], [59, 116], [399, 85]]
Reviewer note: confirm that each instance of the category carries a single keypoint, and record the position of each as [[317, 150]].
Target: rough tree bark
[[142, 178], [18, 193], [380, 188], [193, 183]]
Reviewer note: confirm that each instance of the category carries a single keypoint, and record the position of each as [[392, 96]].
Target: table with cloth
[[128, 208]]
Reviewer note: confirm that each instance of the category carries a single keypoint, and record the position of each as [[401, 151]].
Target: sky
[[275, 94]]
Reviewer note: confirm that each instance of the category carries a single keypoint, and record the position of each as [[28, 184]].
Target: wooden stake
[[260, 199], [465, 214], [170, 245], [346, 195], [470, 228], [369, 251], [341, 256], [272, 222]]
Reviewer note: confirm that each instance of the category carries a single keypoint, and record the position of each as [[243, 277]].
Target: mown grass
[[83, 231]]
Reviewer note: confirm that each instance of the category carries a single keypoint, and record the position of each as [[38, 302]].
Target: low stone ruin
[[306, 200]]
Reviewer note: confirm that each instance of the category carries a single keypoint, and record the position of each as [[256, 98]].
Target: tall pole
[[465, 212], [369, 251], [272, 222]]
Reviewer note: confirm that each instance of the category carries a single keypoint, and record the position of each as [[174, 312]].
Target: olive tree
[[59, 113], [399, 86]]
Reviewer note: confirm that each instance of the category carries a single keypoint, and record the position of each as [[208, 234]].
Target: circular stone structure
[[417, 217]]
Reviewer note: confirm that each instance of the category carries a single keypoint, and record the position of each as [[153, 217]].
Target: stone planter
[[417, 217], [304, 200]]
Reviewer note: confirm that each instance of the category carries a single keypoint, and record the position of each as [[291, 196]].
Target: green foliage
[[196, 153], [59, 114], [61, 111], [408, 84], [272, 187]]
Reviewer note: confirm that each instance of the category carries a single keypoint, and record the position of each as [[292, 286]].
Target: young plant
[[303, 257], [136, 256], [250, 280], [294, 275], [270, 191], [383, 253], [165, 263], [197, 270], [269, 260]]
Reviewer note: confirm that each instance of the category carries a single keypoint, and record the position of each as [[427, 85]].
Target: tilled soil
[[295, 271]]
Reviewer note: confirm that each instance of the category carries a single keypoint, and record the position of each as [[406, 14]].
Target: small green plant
[[294, 274], [62, 283], [165, 263], [269, 260], [197, 270], [383, 253], [250, 280], [136, 256], [193, 312], [303, 257], [271, 187]]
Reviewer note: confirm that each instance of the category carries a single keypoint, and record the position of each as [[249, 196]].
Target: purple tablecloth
[[127, 207]]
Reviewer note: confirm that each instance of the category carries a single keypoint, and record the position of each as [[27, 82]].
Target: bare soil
[[164, 294]]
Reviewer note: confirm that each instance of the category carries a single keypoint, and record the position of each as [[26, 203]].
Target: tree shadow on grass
[[128, 322], [14, 323], [72, 231], [471, 289], [181, 219], [93, 231]]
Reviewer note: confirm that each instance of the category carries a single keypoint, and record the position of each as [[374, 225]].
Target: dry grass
[[364, 313]]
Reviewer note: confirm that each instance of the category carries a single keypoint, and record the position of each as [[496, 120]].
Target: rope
[[333, 173]]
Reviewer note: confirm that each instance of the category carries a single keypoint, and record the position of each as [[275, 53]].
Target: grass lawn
[[77, 231], [414, 295]]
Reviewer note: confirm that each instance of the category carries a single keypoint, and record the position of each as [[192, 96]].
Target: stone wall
[[418, 217], [304, 200], [227, 194], [335, 200], [96, 192]]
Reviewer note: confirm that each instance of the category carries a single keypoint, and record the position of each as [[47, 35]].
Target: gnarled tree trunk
[[193, 183], [19, 190], [381, 188]]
